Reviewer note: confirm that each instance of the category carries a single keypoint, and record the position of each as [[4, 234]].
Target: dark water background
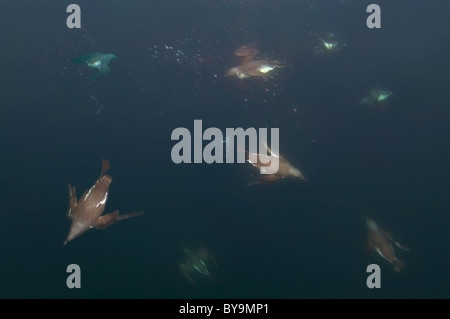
[[286, 240]]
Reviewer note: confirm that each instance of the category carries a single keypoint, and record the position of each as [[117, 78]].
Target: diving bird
[[197, 263], [86, 213], [96, 60], [381, 241], [251, 67], [285, 168], [377, 98]]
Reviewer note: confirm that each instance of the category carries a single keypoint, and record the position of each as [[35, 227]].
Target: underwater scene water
[[92, 193]]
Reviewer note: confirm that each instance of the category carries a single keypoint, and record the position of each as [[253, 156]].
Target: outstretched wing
[[107, 220]]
